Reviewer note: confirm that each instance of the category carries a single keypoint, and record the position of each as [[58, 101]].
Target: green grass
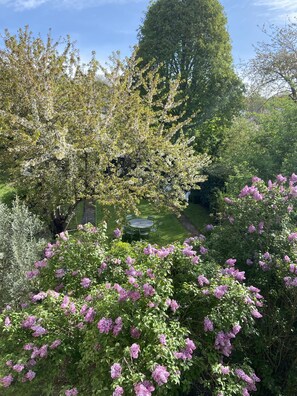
[[198, 216], [7, 193], [169, 229]]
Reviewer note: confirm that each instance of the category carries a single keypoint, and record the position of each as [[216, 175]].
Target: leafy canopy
[[71, 131]]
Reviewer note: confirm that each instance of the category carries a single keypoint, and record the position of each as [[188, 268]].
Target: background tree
[[189, 39], [274, 67], [67, 136]]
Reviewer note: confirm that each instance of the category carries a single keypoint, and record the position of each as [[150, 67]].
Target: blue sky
[[109, 25]]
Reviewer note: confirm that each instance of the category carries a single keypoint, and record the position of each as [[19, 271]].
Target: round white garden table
[[140, 224]]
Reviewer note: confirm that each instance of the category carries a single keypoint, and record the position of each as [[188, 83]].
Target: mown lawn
[[169, 229]]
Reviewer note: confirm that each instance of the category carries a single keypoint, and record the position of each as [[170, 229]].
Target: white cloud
[[20, 5], [284, 8]]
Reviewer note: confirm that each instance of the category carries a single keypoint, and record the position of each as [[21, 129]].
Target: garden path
[[89, 214], [186, 223]]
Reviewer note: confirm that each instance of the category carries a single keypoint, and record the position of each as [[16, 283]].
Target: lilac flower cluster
[[134, 351], [252, 192], [220, 291], [106, 325], [187, 352], [115, 371], [161, 253], [223, 340], [71, 392], [160, 375], [173, 304], [144, 388], [250, 381]]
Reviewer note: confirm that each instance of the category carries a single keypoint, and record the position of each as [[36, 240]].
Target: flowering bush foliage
[[259, 233], [115, 319]]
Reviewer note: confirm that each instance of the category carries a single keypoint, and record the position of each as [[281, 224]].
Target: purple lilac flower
[[28, 347], [7, 322], [187, 251], [281, 178], [43, 351], [195, 260], [228, 201], [134, 351], [6, 381], [202, 280], [231, 262], [135, 333], [30, 375], [39, 297], [85, 282], [55, 344], [208, 324], [160, 375], [203, 250], [223, 342], [148, 290], [59, 273], [220, 291], [256, 314], [115, 370], [130, 260], [117, 233], [32, 274], [71, 392], [173, 304], [105, 325], [292, 237], [18, 367], [149, 250], [141, 390], [236, 329], [225, 370], [29, 322], [65, 302], [118, 326], [209, 227], [119, 391], [186, 353], [256, 179], [90, 315], [242, 375], [134, 295], [251, 228], [38, 331], [162, 339]]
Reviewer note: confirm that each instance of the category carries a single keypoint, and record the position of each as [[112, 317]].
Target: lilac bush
[[117, 319], [258, 234]]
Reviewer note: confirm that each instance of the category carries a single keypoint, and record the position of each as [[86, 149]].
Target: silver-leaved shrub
[[20, 245]]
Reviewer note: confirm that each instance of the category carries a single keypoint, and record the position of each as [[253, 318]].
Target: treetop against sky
[[109, 25]]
